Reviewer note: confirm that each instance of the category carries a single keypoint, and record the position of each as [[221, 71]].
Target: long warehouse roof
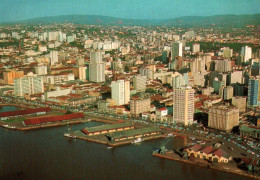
[[134, 132], [106, 127]]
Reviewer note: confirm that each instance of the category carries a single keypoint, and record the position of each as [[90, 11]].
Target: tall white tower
[[96, 67], [120, 90], [183, 105]]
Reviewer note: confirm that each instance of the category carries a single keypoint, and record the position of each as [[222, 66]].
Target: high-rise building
[[223, 117], [176, 50], [120, 91], [9, 76], [138, 106], [246, 52], [82, 73], [253, 92], [240, 103], [139, 83], [227, 53], [196, 48], [30, 84], [41, 69], [96, 67], [228, 92], [235, 77], [223, 65], [54, 57], [183, 105]]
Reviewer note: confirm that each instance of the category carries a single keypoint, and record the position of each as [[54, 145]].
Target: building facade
[[120, 91], [138, 106], [253, 92], [223, 117], [139, 83], [30, 84], [96, 67], [183, 105]]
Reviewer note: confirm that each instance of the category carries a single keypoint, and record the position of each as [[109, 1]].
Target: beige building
[[9, 76], [138, 106], [183, 105], [240, 103], [139, 83], [228, 92], [223, 117]]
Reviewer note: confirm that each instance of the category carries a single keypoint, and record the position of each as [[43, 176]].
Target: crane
[[162, 147]]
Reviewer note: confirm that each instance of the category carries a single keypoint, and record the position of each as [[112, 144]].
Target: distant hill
[[235, 20]]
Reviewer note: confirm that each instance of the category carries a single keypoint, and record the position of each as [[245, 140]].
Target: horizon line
[[126, 18]]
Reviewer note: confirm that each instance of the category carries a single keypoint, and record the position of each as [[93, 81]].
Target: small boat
[[138, 140], [9, 127], [69, 135], [109, 147]]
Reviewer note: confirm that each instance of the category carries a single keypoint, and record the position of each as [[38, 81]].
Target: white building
[[120, 90], [196, 48], [96, 67], [246, 52], [139, 83], [82, 72], [41, 70], [53, 57], [30, 84], [183, 105]]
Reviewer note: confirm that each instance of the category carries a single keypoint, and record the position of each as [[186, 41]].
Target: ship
[[69, 135], [9, 127], [138, 140]]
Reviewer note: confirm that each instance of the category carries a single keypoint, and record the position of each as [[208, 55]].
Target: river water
[[47, 154]]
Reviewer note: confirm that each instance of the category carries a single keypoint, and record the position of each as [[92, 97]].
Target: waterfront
[[47, 154]]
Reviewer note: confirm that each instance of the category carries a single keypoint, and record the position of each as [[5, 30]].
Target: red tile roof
[[196, 147], [41, 120], [207, 150], [24, 112], [219, 152]]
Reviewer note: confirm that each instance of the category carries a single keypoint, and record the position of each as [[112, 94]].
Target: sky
[[15, 10]]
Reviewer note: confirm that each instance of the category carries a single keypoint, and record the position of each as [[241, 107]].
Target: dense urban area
[[144, 82]]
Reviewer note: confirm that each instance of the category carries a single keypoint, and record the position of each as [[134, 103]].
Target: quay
[[171, 155]]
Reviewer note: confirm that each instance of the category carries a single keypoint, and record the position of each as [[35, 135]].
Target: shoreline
[[242, 173], [100, 141], [42, 125]]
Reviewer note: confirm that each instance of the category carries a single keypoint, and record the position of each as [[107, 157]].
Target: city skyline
[[28, 9]]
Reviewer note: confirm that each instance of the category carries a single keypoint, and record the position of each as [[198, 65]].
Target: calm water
[[46, 154]]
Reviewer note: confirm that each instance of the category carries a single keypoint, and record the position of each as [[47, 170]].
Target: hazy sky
[[13, 10]]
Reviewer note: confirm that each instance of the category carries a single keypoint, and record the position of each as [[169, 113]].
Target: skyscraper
[[176, 50], [196, 48], [246, 52], [96, 67], [82, 72], [183, 105], [54, 57], [120, 90], [253, 92], [139, 83]]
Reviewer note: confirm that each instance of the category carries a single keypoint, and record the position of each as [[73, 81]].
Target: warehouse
[[5, 115], [135, 133], [41, 120], [107, 128]]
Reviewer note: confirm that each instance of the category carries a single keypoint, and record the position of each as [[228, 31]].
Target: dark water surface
[[47, 154]]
